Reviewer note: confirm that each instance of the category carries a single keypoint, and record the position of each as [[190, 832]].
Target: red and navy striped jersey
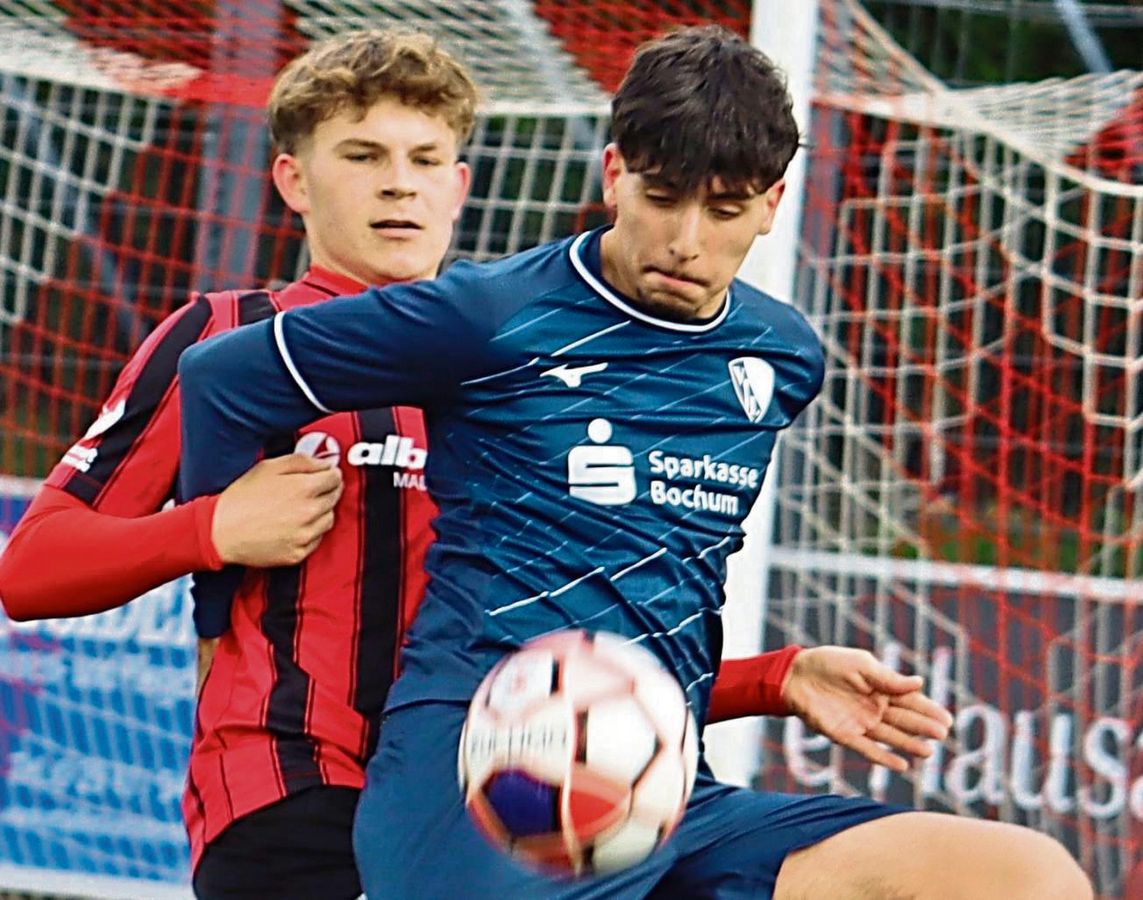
[[297, 684]]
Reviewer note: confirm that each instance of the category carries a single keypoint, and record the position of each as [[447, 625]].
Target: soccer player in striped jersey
[[601, 411], [368, 127]]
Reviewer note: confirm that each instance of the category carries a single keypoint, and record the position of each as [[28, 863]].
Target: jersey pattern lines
[[592, 465], [300, 677]]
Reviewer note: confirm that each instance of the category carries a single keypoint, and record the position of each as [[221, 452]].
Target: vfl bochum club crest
[[753, 381]]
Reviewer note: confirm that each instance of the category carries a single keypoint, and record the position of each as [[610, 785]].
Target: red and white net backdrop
[[964, 496]]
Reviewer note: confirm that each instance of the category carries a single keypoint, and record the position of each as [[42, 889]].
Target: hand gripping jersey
[[297, 684], [592, 464]]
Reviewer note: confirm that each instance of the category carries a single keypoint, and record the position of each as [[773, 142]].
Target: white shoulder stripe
[[283, 351]]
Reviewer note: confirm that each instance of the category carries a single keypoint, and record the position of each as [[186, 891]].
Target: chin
[[668, 306], [401, 268]]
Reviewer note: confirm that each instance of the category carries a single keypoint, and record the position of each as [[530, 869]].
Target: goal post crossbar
[[927, 572]]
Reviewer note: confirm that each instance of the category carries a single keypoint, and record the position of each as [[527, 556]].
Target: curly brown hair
[[354, 70]]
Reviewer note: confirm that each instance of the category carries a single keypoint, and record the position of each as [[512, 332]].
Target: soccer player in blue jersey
[[601, 411]]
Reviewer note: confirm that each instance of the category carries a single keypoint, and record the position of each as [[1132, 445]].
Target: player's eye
[[660, 199], [359, 157], [427, 161], [726, 212]]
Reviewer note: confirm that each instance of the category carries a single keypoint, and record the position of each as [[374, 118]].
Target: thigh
[[733, 841], [296, 849], [414, 838], [937, 855]]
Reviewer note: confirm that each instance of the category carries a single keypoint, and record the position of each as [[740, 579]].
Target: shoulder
[[479, 296], [514, 280], [786, 322], [188, 324], [788, 337], [246, 306]]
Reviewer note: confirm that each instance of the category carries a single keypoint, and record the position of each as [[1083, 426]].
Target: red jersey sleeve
[[127, 462], [751, 686], [99, 508], [110, 559]]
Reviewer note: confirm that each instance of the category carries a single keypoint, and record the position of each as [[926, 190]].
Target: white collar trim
[[615, 300]]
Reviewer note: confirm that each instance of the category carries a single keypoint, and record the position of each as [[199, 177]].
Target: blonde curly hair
[[352, 71]]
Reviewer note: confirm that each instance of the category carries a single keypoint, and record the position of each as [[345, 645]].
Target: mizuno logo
[[753, 381], [573, 376]]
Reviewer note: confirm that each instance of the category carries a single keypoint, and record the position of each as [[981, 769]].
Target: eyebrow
[[738, 195], [362, 143], [733, 196]]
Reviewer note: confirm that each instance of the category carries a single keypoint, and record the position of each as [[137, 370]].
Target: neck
[[363, 277]]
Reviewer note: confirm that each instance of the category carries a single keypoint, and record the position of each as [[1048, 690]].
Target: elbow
[[25, 565], [21, 593], [192, 363], [17, 599], [15, 611]]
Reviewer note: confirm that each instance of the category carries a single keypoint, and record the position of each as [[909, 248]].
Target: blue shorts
[[413, 837]]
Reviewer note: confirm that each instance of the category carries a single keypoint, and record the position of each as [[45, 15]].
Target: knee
[[999, 861], [1044, 870]]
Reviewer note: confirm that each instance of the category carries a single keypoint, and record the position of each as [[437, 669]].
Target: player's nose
[[686, 239], [395, 180]]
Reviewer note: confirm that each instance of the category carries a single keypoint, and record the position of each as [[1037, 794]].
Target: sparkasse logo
[[601, 473], [604, 474]]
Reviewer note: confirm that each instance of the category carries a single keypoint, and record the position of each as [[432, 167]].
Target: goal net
[[961, 499], [964, 496]]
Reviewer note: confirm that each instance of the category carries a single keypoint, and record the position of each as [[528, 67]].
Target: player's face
[[676, 254], [378, 194]]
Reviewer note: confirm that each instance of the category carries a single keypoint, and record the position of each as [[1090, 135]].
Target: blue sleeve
[[807, 369], [403, 345]]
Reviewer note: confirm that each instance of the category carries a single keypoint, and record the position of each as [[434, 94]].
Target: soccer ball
[[578, 754]]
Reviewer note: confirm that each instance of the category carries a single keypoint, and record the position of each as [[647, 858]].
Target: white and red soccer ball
[[578, 754]]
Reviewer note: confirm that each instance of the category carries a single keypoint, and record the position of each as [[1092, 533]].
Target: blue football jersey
[[593, 464]]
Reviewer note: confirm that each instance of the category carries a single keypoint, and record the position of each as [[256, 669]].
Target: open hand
[[859, 702]]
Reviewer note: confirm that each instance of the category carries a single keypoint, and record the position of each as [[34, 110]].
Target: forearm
[[751, 686], [409, 344], [249, 385], [236, 393], [65, 559]]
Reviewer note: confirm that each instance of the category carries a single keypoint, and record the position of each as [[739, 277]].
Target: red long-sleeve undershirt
[[66, 559], [751, 686]]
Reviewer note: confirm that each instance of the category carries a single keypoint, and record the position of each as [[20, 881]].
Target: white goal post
[[786, 30]]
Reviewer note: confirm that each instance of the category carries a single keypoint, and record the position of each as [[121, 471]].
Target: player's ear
[[613, 167], [463, 184], [290, 181], [770, 201]]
